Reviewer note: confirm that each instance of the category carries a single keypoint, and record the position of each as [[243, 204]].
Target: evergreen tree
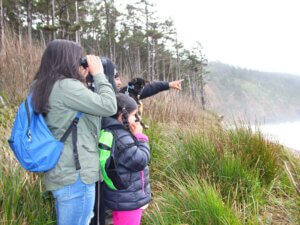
[[1, 28], [135, 39]]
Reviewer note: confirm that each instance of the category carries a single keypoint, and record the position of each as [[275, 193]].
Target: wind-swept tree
[[197, 64]]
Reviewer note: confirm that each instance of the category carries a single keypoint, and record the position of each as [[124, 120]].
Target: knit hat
[[125, 101]]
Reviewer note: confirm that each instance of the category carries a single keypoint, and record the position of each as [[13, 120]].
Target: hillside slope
[[253, 95]]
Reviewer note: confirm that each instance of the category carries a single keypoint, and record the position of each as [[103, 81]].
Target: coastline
[[293, 151]]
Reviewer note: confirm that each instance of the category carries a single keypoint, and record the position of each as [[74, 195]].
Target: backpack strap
[[74, 140], [28, 118], [73, 128], [69, 130]]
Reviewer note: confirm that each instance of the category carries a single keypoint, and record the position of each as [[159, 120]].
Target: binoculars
[[108, 69], [84, 63]]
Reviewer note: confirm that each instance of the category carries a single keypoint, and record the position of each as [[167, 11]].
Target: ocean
[[287, 134]]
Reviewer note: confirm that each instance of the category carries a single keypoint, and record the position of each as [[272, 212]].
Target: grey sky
[[256, 34]]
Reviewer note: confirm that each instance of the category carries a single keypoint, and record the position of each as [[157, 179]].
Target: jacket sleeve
[[78, 97], [153, 88], [134, 155]]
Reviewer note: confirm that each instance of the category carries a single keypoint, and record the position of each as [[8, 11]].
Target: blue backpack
[[32, 142]]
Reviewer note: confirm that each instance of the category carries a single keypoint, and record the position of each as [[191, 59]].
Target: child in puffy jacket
[[133, 157]]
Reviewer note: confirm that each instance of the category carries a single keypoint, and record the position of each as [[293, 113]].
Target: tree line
[[134, 37]]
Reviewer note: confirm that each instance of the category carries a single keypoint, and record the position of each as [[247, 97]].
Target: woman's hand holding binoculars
[[94, 64]]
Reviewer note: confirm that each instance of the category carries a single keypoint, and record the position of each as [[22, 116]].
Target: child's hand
[[136, 128]]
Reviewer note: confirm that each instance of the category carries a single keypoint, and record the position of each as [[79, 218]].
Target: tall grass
[[18, 65], [173, 107], [200, 173], [240, 167], [22, 197], [191, 201]]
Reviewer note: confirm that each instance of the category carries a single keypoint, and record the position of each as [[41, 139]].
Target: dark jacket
[[134, 156], [150, 89], [153, 88]]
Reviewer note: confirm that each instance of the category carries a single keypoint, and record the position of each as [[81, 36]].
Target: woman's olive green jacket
[[68, 97]]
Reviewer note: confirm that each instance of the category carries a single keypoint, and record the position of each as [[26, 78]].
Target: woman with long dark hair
[[59, 92]]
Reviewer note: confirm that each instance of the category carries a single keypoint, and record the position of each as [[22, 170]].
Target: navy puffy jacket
[[133, 165]]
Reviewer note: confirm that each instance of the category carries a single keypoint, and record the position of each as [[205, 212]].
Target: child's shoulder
[[123, 135]]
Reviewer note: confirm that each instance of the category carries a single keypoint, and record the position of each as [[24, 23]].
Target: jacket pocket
[[88, 142], [89, 148]]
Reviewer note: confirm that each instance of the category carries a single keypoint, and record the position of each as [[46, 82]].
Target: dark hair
[[109, 70], [125, 106], [135, 88], [60, 60], [125, 121]]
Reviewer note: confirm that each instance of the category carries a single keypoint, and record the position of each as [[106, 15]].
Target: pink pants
[[132, 217]]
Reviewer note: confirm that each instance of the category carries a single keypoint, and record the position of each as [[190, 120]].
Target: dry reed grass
[[20, 62], [174, 106], [18, 65]]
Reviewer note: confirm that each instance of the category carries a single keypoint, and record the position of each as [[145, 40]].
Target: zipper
[[143, 180]]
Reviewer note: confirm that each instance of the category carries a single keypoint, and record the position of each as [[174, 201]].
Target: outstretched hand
[[176, 84]]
